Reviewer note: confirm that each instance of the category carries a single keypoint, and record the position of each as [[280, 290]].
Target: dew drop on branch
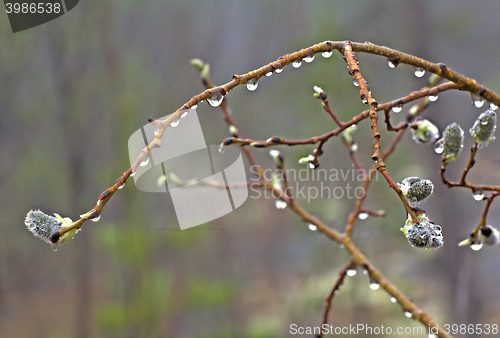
[[145, 162], [280, 204], [431, 335], [493, 106], [408, 314], [309, 58], [296, 63], [394, 300], [252, 84], [391, 64], [355, 82], [477, 101], [95, 219], [363, 215], [418, 72], [269, 74], [121, 186], [476, 246], [439, 146], [351, 272], [433, 98], [133, 174], [279, 70], [312, 227], [478, 195], [174, 123], [327, 54], [194, 106], [222, 148], [184, 114], [398, 108], [374, 285], [215, 100], [312, 166]]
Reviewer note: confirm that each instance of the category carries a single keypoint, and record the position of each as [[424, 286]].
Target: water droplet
[[309, 58], [439, 146], [184, 114], [296, 63], [484, 122], [156, 131], [342, 246], [279, 70], [354, 147], [252, 84], [269, 74], [363, 215], [95, 219], [222, 148], [477, 101], [478, 195], [312, 227], [363, 99], [145, 162], [391, 64], [365, 272], [174, 123], [408, 314], [398, 108], [121, 186], [374, 286], [351, 272], [431, 335], [355, 82], [493, 106], [280, 204], [394, 300], [133, 174], [418, 72], [327, 54], [476, 246], [215, 100], [311, 165], [194, 106], [433, 98]]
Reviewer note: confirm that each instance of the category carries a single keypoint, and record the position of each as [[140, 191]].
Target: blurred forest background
[[74, 90]]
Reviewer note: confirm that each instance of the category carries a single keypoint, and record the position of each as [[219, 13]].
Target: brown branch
[[482, 222], [359, 259], [335, 289], [367, 98]]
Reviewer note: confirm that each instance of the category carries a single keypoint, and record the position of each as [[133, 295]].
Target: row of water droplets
[[252, 85], [352, 271], [419, 72]]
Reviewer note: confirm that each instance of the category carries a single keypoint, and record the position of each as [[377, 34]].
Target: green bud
[[416, 189], [484, 128], [425, 234], [348, 133], [305, 160], [426, 132], [277, 157], [197, 63], [452, 142], [160, 181], [205, 71], [413, 110], [45, 226], [233, 130]]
